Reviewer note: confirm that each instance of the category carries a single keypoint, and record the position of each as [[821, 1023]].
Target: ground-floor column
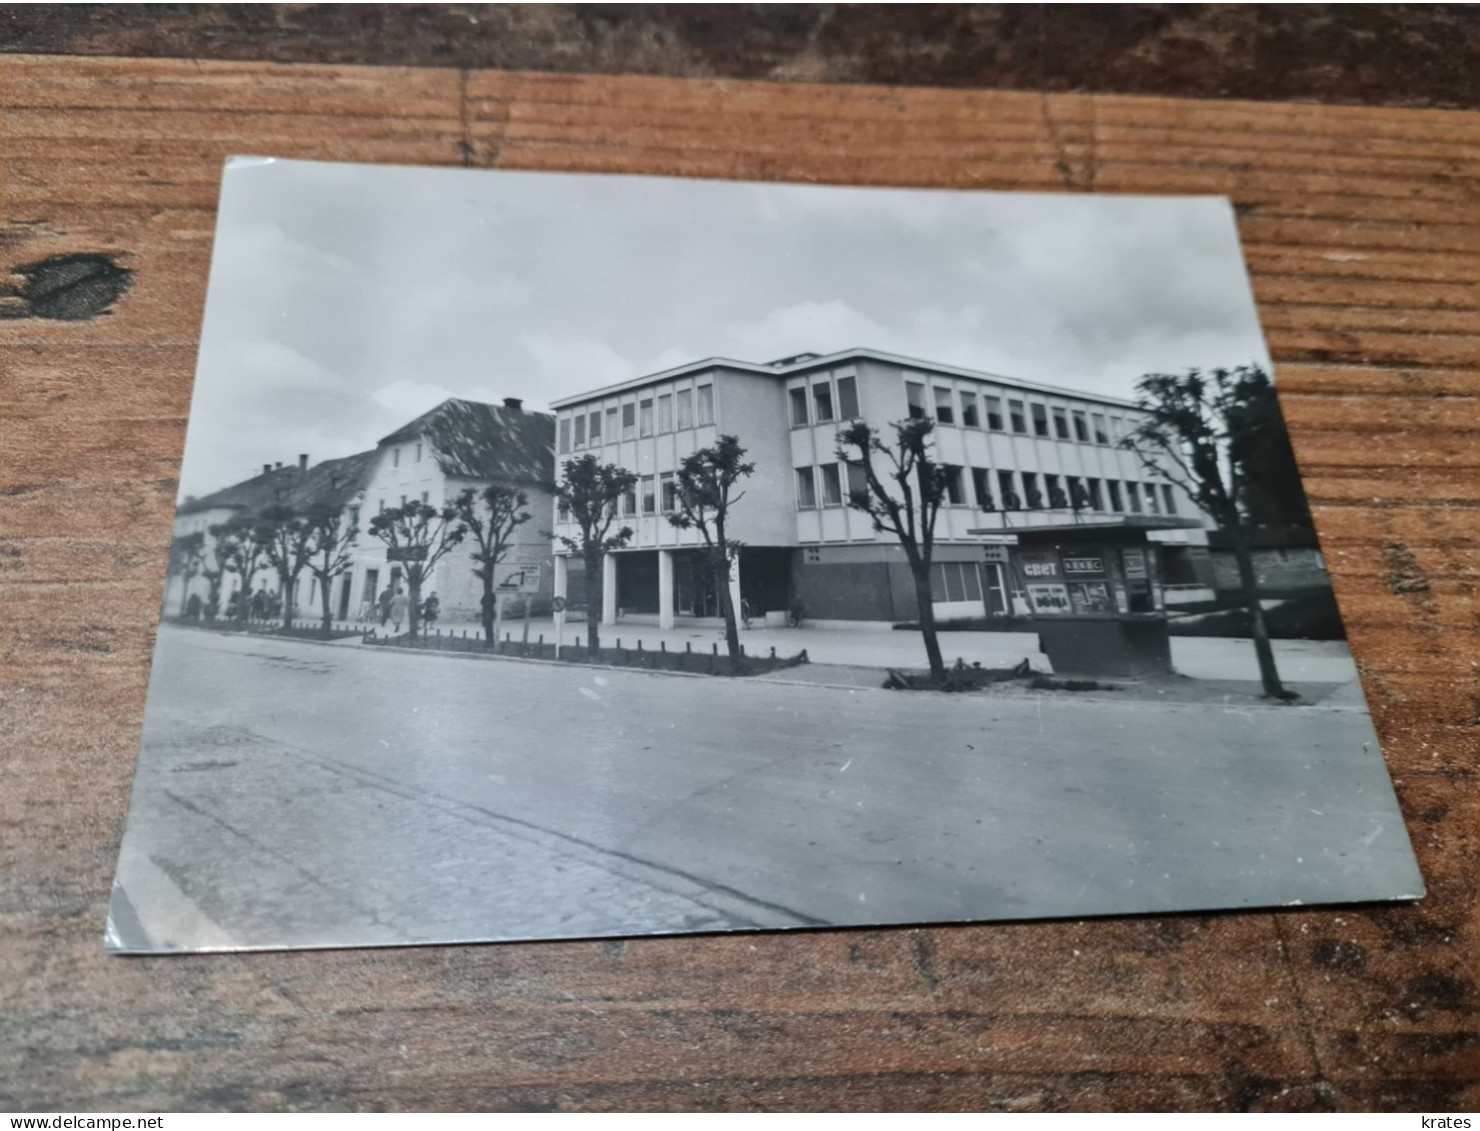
[[561, 574], [609, 589], [665, 588], [735, 587]]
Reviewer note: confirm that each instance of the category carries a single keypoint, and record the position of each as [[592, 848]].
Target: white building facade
[[1021, 454]]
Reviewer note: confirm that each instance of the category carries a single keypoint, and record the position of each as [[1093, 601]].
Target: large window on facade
[[832, 486], [798, 399], [914, 399], [1096, 500], [665, 413], [629, 421], [595, 433], [1040, 420], [994, 413], [611, 424], [981, 486], [580, 437], [955, 495], [1078, 496], [1056, 497], [1101, 436], [1169, 497], [822, 402], [1152, 506], [1133, 496], [955, 581], [857, 481], [847, 398], [1032, 496], [806, 488], [669, 493], [705, 396], [645, 417], [1112, 488], [683, 404], [1061, 423], [1081, 427], [970, 417], [565, 435], [649, 495], [1011, 500], [629, 501], [945, 405]]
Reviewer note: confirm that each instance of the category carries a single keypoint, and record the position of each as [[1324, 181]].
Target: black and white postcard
[[567, 556]]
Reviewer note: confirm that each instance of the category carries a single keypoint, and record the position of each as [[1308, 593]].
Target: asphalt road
[[292, 794]]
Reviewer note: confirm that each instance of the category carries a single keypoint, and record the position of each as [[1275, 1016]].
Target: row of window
[[823, 485], [1010, 414], [646, 416], [396, 455], [823, 401]]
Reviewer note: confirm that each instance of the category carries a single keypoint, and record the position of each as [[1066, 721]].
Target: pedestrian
[[430, 609], [400, 606], [233, 604], [259, 603], [385, 604]]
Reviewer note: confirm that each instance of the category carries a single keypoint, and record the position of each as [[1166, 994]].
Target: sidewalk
[[1199, 657]]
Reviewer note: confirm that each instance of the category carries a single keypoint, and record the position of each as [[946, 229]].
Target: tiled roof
[[473, 440], [335, 482]]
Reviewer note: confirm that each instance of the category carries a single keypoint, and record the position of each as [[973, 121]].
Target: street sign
[[521, 579], [559, 604], [406, 554]]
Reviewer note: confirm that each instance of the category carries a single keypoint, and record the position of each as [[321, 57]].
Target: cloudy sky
[[346, 299]]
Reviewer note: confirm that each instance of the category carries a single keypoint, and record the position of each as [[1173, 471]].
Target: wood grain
[[1363, 237]]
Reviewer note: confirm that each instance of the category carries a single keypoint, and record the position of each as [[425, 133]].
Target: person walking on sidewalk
[[400, 606]]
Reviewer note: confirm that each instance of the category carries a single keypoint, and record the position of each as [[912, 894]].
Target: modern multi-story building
[[1021, 454]]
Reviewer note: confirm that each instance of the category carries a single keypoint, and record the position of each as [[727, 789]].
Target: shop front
[[1094, 593]]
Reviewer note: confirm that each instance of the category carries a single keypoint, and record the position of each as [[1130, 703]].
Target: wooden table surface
[[1360, 226]]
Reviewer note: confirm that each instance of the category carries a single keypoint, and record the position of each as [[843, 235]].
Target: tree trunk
[[328, 604], [287, 602], [594, 587], [1269, 675], [925, 602], [486, 607], [413, 608], [721, 571]]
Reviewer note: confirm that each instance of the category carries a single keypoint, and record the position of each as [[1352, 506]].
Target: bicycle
[[796, 614]]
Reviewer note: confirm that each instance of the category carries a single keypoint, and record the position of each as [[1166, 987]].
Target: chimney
[[266, 468], [513, 404], [302, 461]]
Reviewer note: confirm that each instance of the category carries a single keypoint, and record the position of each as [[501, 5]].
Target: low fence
[[629, 652]]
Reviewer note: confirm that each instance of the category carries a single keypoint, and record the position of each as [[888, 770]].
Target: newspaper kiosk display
[[1094, 594]]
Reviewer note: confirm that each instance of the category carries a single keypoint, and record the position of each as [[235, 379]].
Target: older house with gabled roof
[[334, 482], [458, 445]]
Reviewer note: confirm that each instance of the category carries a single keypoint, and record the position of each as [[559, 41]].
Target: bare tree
[[589, 493], [1199, 433], [286, 538], [903, 491], [704, 482], [418, 535], [491, 516], [187, 559], [331, 537], [240, 553]]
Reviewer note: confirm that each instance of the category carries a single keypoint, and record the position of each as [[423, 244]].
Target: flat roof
[[828, 360]]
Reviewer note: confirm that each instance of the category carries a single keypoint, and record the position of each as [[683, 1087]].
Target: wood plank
[[1365, 260]]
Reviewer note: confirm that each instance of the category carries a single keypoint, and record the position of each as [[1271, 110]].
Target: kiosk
[[1094, 593]]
